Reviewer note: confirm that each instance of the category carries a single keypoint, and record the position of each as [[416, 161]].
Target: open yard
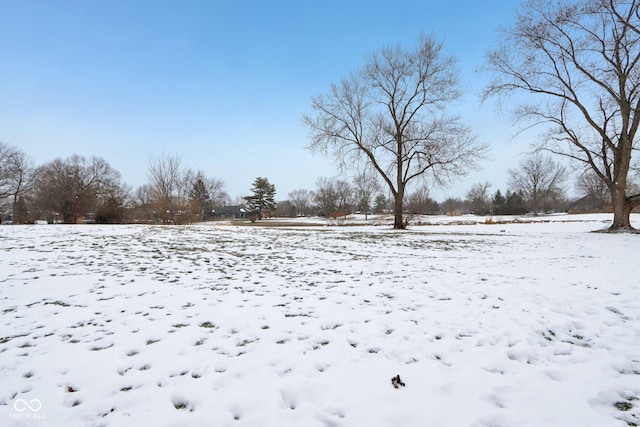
[[204, 325]]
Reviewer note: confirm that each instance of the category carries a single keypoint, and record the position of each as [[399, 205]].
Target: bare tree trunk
[[621, 204], [621, 211], [398, 222]]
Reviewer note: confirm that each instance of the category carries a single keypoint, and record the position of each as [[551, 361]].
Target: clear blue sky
[[222, 83]]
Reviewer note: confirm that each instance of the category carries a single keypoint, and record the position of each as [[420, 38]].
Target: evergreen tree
[[200, 199], [262, 201], [380, 205], [515, 204], [499, 203]]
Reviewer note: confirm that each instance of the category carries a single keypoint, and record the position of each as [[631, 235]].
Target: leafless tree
[[143, 201], [70, 188], [16, 178], [23, 180], [580, 59], [170, 183], [539, 179], [344, 194], [324, 196], [391, 114], [239, 200], [365, 185], [301, 201], [285, 209], [7, 154], [420, 202], [454, 206], [219, 196], [479, 199], [593, 190], [333, 196]]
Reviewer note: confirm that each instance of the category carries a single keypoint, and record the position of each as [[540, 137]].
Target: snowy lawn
[[487, 325]]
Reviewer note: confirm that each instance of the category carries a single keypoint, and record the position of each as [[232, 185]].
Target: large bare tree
[[70, 188], [219, 196], [7, 155], [580, 59], [170, 184], [391, 114], [539, 179], [478, 198], [333, 196], [301, 201], [420, 202], [16, 177], [593, 191], [365, 185], [144, 202]]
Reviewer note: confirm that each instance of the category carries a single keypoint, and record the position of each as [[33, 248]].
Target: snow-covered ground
[[487, 325]]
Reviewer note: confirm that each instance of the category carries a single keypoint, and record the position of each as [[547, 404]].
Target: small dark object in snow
[[396, 381], [623, 406], [71, 389]]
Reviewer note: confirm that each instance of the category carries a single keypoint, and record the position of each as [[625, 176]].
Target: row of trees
[[536, 185], [77, 188], [89, 189]]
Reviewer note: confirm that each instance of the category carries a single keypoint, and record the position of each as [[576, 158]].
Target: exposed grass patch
[[5, 340], [179, 405], [97, 348], [180, 325], [60, 303], [623, 406]]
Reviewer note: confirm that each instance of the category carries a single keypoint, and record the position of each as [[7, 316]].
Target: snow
[[512, 324]]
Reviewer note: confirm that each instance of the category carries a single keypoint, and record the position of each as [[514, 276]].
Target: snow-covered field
[[205, 325]]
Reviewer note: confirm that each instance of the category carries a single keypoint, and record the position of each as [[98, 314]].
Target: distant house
[[589, 204], [230, 212]]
